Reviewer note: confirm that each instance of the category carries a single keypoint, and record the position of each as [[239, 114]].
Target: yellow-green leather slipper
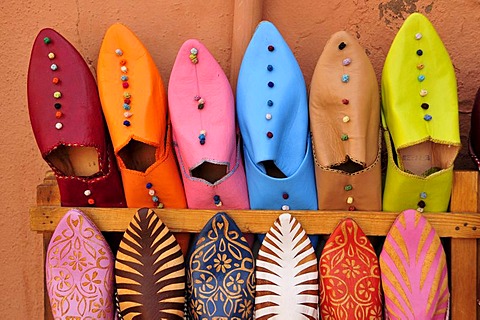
[[420, 119]]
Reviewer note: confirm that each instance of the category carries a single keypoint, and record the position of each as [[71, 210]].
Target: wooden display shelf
[[461, 226], [451, 225]]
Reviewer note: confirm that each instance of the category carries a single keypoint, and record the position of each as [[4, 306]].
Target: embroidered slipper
[[150, 270], [220, 272], [420, 118], [135, 106], [414, 270], [349, 275], [202, 108], [286, 272], [273, 118], [79, 270], [68, 124], [345, 123]]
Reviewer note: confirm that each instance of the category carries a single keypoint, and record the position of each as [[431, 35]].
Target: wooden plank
[[456, 225], [464, 251], [47, 192], [246, 16]]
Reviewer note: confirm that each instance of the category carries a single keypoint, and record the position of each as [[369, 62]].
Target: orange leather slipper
[[135, 106]]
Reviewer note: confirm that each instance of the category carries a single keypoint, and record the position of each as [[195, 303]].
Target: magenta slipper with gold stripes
[[414, 270]]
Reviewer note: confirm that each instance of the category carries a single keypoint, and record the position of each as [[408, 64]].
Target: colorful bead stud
[[202, 136], [201, 104], [193, 55]]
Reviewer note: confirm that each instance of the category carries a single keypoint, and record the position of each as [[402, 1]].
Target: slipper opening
[[211, 172], [272, 170], [426, 158], [137, 155], [349, 166], [75, 161]]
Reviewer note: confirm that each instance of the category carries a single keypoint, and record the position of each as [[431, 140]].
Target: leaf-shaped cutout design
[[286, 272], [149, 270], [214, 266], [349, 277], [414, 270]]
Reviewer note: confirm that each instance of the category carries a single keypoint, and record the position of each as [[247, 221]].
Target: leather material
[[205, 80], [272, 113], [400, 88], [268, 192], [420, 116], [286, 273], [220, 272], [149, 121], [290, 146], [327, 109], [160, 184], [289, 122], [80, 115], [363, 189], [474, 134], [79, 270], [231, 189], [346, 107], [349, 275], [414, 270], [150, 270], [404, 190]]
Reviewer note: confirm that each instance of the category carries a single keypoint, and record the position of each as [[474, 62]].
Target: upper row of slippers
[[298, 152]]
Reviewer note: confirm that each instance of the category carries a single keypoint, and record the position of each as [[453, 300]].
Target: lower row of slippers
[[149, 278]]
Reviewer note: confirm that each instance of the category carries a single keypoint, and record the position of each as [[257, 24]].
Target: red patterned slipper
[[349, 275]]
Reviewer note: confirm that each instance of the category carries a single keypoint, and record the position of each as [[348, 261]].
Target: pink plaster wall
[[163, 26]]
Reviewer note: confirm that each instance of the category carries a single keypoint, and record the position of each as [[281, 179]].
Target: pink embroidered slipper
[[79, 270], [414, 270], [206, 140]]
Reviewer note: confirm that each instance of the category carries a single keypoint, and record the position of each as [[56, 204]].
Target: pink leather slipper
[[79, 270]]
